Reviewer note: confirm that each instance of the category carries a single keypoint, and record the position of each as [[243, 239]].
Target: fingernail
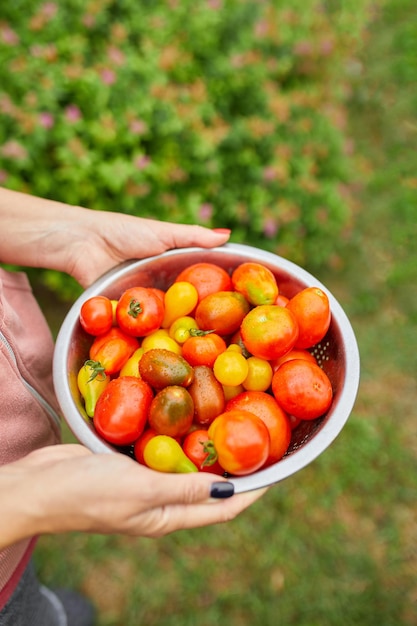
[[222, 231], [222, 489]]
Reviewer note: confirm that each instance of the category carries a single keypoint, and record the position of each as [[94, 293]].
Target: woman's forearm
[[35, 232]]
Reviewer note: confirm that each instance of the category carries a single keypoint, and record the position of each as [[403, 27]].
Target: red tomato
[[241, 441], [311, 308], [139, 311], [196, 446], [269, 331], [140, 444], [203, 349], [207, 278], [275, 419], [113, 349], [121, 411], [96, 315], [294, 421], [302, 389]]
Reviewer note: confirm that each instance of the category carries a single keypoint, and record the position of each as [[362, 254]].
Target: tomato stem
[[196, 332], [210, 450], [97, 370], [134, 308]]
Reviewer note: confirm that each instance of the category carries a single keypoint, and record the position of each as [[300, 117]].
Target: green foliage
[[220, 113]]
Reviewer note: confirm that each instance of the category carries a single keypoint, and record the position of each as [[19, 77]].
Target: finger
[[165, 520], [161, 489], [185, 235], [51, 454]]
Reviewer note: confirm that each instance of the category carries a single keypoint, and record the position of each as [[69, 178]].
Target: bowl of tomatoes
[[231, 360]]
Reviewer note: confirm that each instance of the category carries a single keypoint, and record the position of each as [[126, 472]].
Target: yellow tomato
[[230, 368], [180, 299], [131, 367], [160, 339], [180, 329], [232, 391], [259, 376], [114, 304]]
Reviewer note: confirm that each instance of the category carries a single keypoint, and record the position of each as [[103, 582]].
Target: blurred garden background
[[294, 123]]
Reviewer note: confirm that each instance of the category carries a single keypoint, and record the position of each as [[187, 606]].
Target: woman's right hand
[[66, 488]]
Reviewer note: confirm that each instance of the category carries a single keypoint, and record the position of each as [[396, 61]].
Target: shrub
[[223, 113]]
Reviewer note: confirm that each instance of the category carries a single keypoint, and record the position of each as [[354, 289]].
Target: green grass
[[335, 544]]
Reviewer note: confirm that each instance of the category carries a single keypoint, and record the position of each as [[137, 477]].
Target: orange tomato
[[203, 349], [256, 282], [207, 278], [281, 300], [269, 331], [311, 308], [241, 441], [295, 353], [222, 312], [302, 389], [275, 419], [113, 349]]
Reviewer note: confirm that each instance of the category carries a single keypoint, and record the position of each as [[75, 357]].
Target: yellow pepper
[[91, 381], [164, 454]]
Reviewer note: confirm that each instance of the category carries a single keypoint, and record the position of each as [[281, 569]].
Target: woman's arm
[[35, 232], [66, 488]]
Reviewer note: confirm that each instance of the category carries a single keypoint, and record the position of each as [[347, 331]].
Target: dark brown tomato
[[171, 412], [160, 368]]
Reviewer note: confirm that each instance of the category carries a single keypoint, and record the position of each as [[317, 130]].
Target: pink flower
[[269, 173], [261, 28], [89, 20], [8, 36], [142, 161], [72, 113], [46, 120], [137, 127], [108, 76], [214, 4], [205, 212], [326, 47], [13, 150], [303, 48], [270, 228], [49, 9], [115, 55]]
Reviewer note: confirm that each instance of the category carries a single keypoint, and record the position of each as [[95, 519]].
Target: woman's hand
[[67, 488], [106, 239], [84, 243]]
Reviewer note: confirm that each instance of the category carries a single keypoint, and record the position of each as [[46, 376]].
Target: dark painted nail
[[222, 490]]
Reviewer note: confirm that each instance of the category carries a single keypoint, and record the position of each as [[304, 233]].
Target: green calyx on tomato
[[210, 450], [91, 382], [196, 332], [96, 370], [134, 308]]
